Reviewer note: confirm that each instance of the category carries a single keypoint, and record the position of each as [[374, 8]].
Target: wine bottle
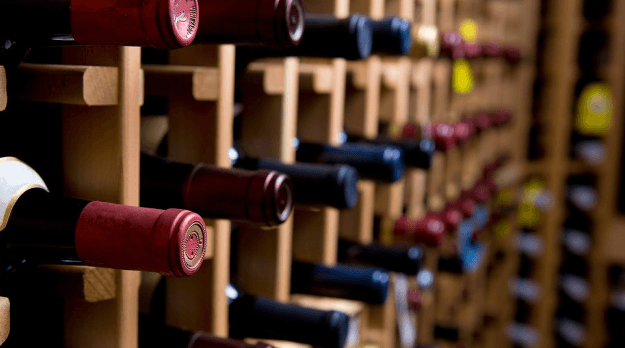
[[40, 228], [406, 260], [271, 23], [574, 288], [588, 148], [472, 50], [452, 216], [379, 163], [525, 289], [429, 231], [326, 36], [512, 55], [450, 264], [570, 333], [596, 10], [259, 317], [166, 24], [464, 130], [391, 36], [452, 46], [154, 335], [581, 194], [593, 51], [417, 153], [447, 333], [530, 246], [443, 135], [500, 118], [364, 284], [256, 196], [491, 50], [524, 335], [333, 185]]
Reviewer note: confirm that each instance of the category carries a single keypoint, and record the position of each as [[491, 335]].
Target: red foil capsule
[[452, 215], [481, 192], [500, 117], [163, 24], [410, 130], [444, 136], [472, 50], [491, 50], [171, 242], [429, 231], [414, 299], [481, 122], [466, 204], [512, 55], [464, 131], [452, 45]]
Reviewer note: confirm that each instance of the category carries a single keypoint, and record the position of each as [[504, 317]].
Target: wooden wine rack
[[101, 90], [564, 21]]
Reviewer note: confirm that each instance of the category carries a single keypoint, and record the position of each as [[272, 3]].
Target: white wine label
[[16, 177]]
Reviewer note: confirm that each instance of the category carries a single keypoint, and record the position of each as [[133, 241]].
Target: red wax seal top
[[163, 24], [429, 231], [464, 131], [171, 242], [269, 197], [472, 50], [481, 122], [452, 45], [512, 55]]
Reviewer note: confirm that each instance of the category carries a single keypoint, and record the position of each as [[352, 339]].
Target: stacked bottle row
[[187, 192], [570, 151]]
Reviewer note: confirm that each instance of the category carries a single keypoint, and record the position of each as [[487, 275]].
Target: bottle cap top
[[178, 21], [361, 26], [464, 131], [452, 45], [444, 135], [392, 36], [481, 122], [270, 197], [163, 24], [347, 186], [288, 21]]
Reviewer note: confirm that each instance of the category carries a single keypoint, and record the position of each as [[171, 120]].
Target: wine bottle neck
[[41, 229]]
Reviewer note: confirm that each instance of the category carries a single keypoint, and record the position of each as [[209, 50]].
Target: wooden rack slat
[[105, 168], [67, 84]]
